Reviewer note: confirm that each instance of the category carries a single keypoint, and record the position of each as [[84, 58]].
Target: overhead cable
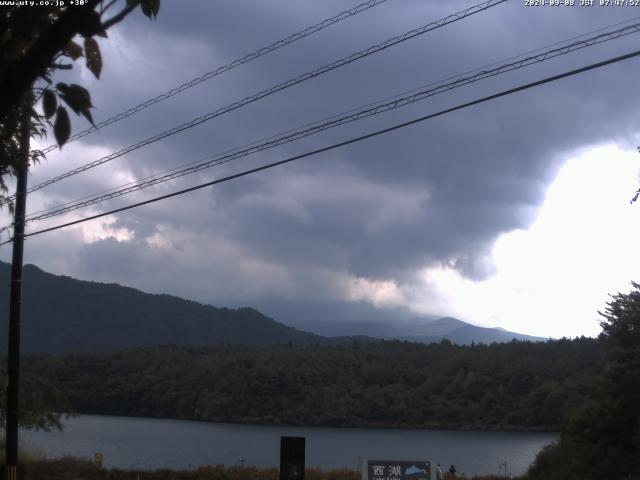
[[276, 88], [225, 68], [335, 121], [344, 143]]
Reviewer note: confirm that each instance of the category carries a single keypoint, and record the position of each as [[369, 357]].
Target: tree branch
[[22, 74], [107, 7], [119, 16]]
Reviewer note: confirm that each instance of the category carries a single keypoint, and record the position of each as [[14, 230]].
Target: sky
[[514, 213]]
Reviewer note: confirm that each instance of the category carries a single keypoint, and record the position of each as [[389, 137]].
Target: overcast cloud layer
[[417, 218]]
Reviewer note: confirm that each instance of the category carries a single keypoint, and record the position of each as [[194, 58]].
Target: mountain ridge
[[342, 318], [63, 314]]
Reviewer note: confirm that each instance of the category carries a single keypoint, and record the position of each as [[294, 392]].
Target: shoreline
[[151, 443], [343, 425]]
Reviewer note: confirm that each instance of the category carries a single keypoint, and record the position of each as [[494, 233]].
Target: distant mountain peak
[[63, 314], [358, 318]]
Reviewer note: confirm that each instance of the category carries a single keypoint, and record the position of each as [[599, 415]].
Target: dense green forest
[[518, 385]]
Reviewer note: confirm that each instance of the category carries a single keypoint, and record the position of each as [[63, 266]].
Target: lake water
[[144, 443]]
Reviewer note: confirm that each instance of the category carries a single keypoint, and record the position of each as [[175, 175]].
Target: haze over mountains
[[360, 318], [62, 314]]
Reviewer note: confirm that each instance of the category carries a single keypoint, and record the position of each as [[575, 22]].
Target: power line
[[225, 68], [294, 81], [619, 33], [323, 125], [232, 154], [346, 142], [255, 142]]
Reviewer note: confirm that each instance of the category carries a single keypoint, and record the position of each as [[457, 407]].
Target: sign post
[[292, 451], [398, 470]]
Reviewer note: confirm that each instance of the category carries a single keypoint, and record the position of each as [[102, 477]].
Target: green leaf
[[86, 113], [91, 24], [94, 58], [49, 103], [62, 87], [62, 126], [150, 8], [6, 36], [72, 50], [78, 98]]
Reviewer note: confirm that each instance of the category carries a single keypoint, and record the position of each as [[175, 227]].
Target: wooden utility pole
[[13, 356]]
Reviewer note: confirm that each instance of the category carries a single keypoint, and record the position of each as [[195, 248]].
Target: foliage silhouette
[[35, 43]]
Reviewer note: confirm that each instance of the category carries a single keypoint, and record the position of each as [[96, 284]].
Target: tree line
[[588, 389], [513, 386]]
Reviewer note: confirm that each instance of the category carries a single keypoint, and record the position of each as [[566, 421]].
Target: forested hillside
[[62, 314], [518, 385]]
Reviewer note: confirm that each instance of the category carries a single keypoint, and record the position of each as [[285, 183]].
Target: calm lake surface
[[144, 443]]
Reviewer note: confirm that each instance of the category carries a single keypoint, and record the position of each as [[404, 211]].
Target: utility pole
[[13, 356]]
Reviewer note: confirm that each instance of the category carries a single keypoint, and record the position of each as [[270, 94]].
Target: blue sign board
[[398, 470]]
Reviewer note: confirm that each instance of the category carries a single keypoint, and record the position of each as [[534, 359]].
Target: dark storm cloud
[[436, 193]]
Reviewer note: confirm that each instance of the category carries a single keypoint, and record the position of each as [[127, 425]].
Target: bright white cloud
[[379, 293], [105, 228], [552, 278], [362, 223]]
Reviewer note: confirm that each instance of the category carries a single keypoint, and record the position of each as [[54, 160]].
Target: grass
[[70, 468]]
